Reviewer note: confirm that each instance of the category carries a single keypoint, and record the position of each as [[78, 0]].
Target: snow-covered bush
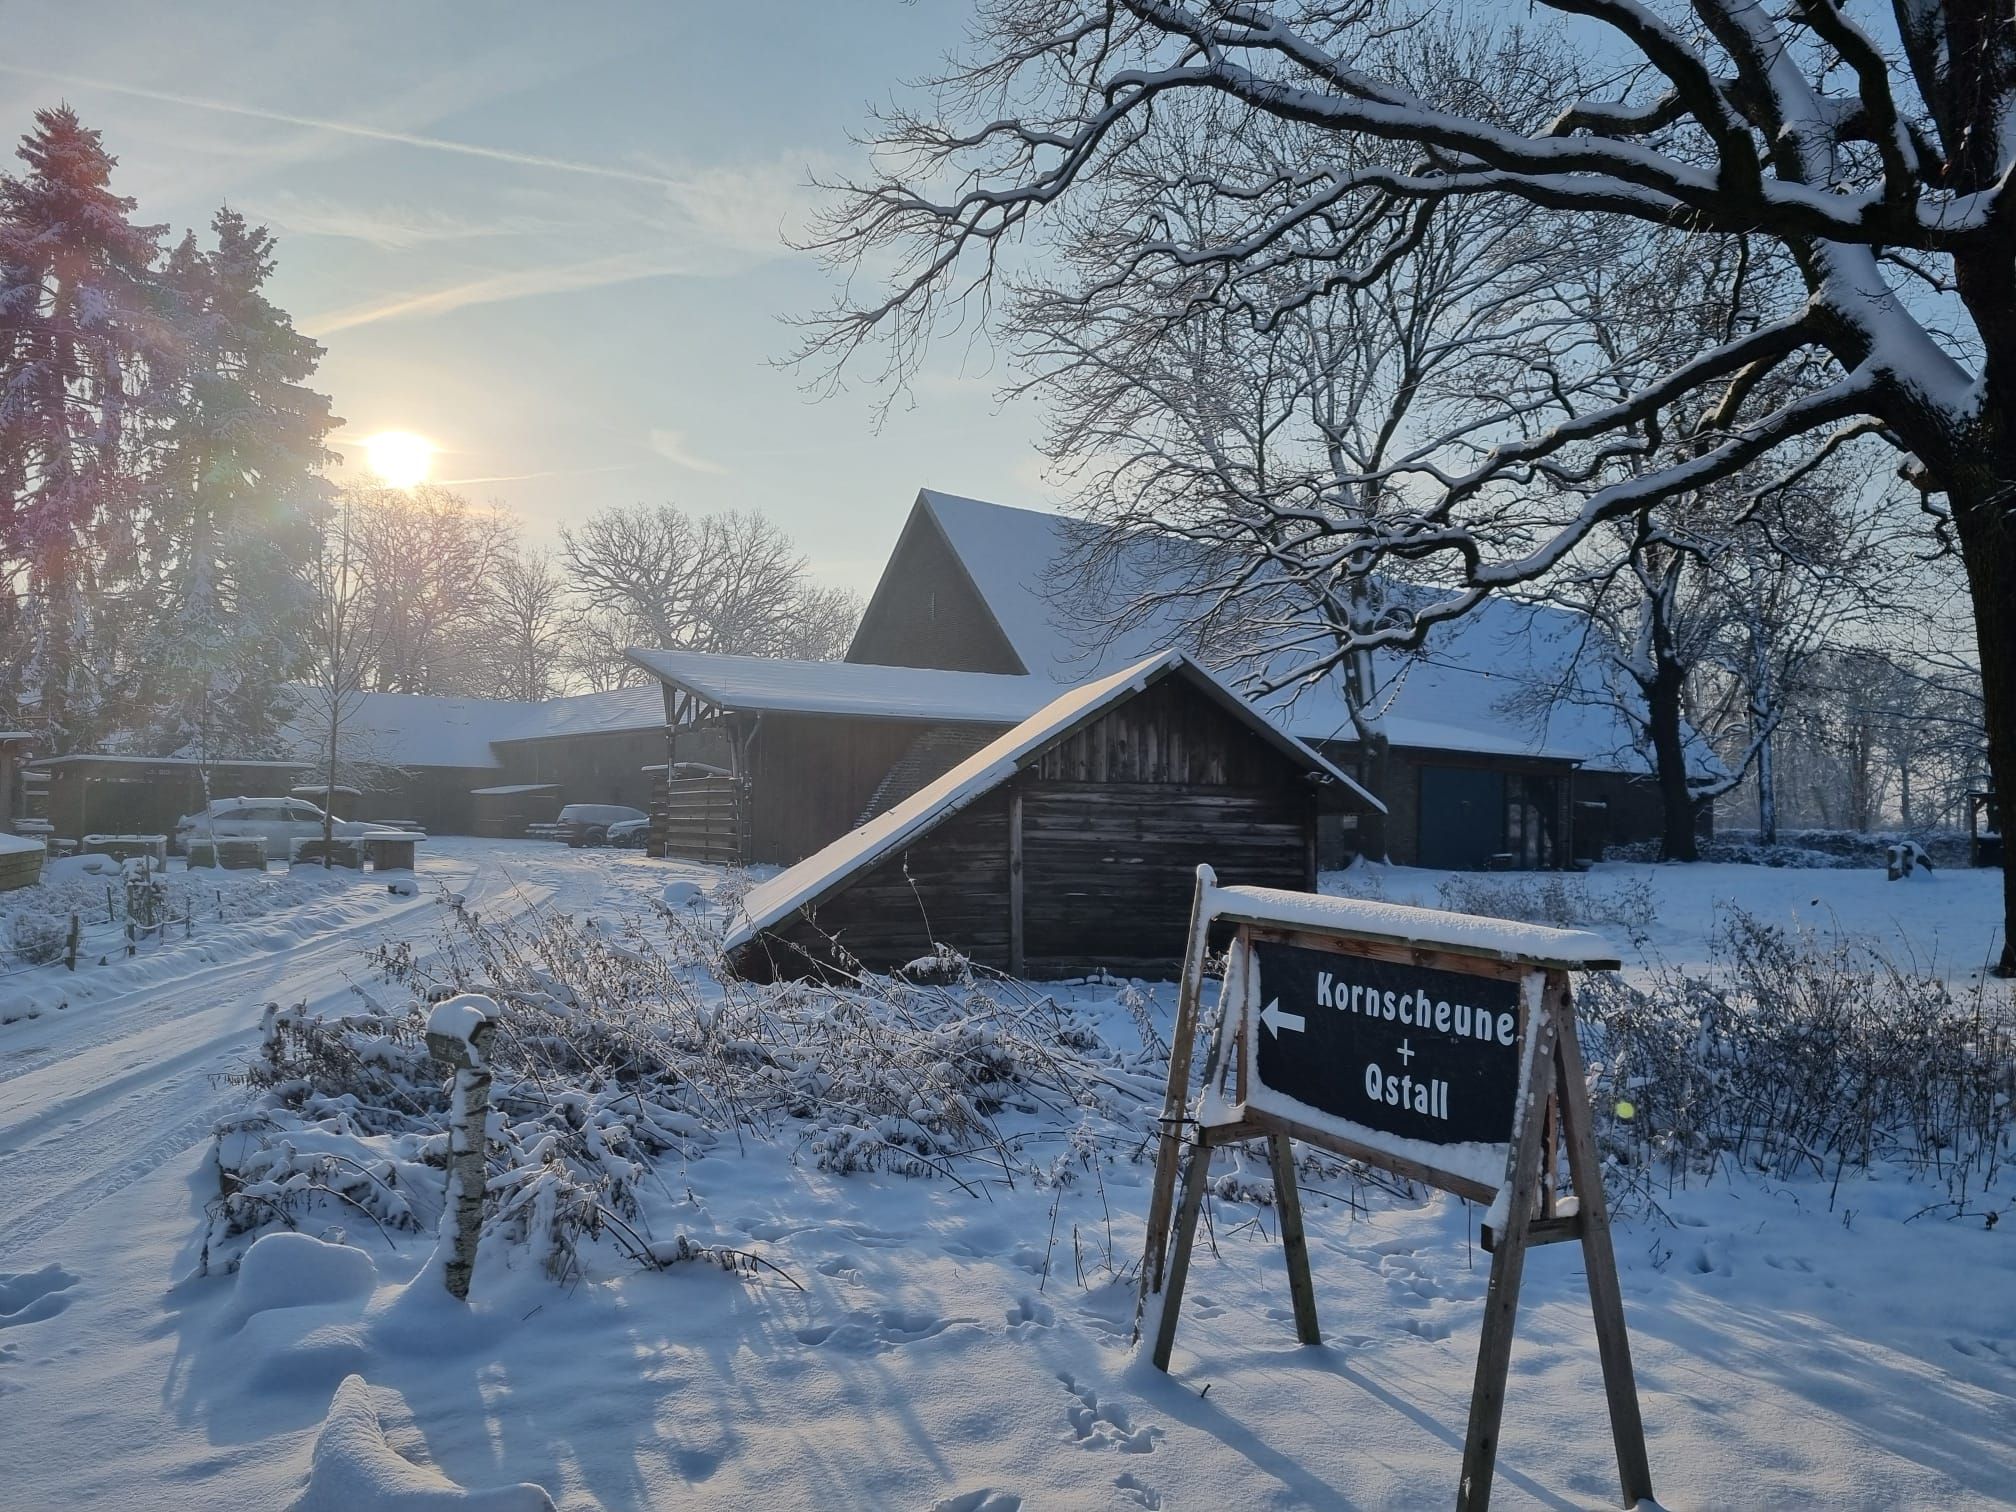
[[621, 1046], [1795, 1053], [36, 939], [1553, 898]]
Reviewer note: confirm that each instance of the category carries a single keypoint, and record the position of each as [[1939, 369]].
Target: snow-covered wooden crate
[[229, 852], [20, 862], [128, 847]]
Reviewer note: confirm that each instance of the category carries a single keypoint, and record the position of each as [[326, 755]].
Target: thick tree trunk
[[1988, 546], [1374, 761], [1767, 792], [1669, 753]]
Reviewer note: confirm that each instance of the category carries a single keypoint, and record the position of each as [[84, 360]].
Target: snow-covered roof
[[512, 789], [641, 708], [408, 729], [1454, 695], [810, 687], [826, 870], [82, 758]]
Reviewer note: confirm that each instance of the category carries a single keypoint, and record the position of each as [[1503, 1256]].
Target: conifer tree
[[75, 325]]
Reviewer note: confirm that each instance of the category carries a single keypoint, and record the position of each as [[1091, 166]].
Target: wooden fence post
[[459, 1031], [70, 946]]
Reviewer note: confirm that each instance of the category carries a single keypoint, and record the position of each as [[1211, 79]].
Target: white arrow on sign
[[1276, 1020]]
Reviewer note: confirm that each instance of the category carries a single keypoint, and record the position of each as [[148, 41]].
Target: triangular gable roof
[[1449, 697], [823, 873], [860, 689]]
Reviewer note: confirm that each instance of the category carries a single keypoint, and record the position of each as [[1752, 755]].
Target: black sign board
[[1411, 1051]]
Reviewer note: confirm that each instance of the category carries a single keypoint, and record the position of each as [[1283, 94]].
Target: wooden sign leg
[[1508, 1264], [1599, 1260], [1294, 1245], [1196, 1176], [1176, 1096]]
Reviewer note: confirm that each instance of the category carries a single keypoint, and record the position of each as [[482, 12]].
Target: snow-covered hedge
[[1801, 1053], [1810, 849]]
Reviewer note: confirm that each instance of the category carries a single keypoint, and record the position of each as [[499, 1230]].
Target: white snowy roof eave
[[828, 869], [761, 684]]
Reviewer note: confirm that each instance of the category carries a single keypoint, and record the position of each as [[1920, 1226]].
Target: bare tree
[[524, 635], [1887, 176], [430, 562], [731, 583], [342, 652]]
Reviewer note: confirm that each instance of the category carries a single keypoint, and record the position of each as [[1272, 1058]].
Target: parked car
[[281, 822], [588, 823], [630, 834]]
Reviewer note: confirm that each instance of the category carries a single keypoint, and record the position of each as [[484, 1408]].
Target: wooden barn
[[146, 795], [1508, 750], [771, 759], [1068, 844]]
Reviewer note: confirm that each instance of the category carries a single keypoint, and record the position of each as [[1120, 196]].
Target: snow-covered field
[[925, 1343]]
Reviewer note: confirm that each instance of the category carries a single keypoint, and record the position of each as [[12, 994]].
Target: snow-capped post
[[1438, 1046], [459, 1030]]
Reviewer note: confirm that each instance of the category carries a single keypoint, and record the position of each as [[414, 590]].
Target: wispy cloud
[[393, 227], [495, 288], [671, 445], [549, 472], [356, 129]]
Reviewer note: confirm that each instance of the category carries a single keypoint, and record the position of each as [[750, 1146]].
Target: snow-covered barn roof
[[827, 870], [759, 683], [641, 708], [1454, 695]]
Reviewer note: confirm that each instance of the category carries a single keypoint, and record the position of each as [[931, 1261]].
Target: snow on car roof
[[822, 873], [809, 687]]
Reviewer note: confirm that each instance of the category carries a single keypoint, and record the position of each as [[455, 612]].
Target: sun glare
[[399, 458]]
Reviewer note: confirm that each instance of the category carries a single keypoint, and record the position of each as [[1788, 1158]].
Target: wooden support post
[[1294, 1244], [1599, 1259], [1015, 951], [1508, 1264], [70, 945], [1176, 1097], [1196, 1176]]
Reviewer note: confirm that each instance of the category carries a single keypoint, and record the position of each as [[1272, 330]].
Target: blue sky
[[547, 236]]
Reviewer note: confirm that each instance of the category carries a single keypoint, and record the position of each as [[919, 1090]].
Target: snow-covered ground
[[934, 1346]]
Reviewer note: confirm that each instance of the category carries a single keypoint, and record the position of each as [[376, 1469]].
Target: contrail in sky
[[354, 129]]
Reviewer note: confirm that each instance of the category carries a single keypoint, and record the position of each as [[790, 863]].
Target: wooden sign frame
[[1553, 1118]]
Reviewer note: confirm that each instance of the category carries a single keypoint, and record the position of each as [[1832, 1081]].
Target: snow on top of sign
[[857, 688], [1465, 691], [771, 902], [15, 845], [1464, 934]]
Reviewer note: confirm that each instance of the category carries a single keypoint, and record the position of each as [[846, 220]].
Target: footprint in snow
[[1135, 1493], [868, 1332], [31, 1296], [1426, 1328], [1985, 1349], [1097, 1427], [1796, 1263], [1028, 1312], [986, 1499]]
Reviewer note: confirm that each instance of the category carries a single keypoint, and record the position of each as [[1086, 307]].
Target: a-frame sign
[[1438, 1046]]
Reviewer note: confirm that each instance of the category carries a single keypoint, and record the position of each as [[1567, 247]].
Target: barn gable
[[927, 610], [1067, 842]]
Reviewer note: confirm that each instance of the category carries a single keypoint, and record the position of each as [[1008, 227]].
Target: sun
[[399, 458]]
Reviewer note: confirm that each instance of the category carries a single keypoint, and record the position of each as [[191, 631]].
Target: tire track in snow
[[93, 1136]]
